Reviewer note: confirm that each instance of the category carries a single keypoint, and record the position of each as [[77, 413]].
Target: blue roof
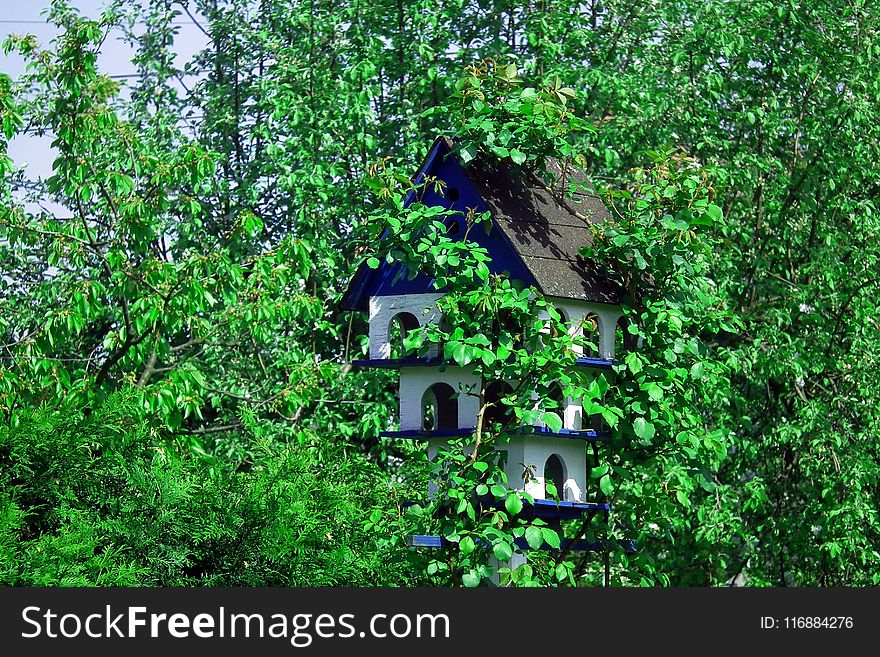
[[526, 238], [393, 279]]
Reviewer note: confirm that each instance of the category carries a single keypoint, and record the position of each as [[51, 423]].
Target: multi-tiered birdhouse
[[536, 232]]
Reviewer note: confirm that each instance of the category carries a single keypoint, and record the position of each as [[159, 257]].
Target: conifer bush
[[98, 497]]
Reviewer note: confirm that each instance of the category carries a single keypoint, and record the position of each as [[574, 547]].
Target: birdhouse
[[536, 231]]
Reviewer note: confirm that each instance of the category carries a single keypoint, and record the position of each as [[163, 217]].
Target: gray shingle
[[539, 217]]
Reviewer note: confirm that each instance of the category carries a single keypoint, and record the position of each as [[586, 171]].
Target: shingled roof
[[545, 220], [542, 219]]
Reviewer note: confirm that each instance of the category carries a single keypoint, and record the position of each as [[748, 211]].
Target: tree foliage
[[100, 499], [194, 239]]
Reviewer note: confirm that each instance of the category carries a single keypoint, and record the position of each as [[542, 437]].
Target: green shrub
[[98, 499]]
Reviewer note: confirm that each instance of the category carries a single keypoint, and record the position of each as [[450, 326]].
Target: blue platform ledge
[[426, 541], [587, 434], [628, 546], [604, 363], [551, 509], [399, 362], [544, 509], [583, 434]]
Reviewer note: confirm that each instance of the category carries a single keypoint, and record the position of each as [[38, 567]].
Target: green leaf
[[561, 572], [714, 213], [551, 537], [517, 156], [373, 263], [471, 579], [534, 537], [462, 353], [466, 545], [502, 551], [513, 504], [654, 391], [596, 473], [468, 153], [643, 428], [552, 420], [633, 362], [606, 485]]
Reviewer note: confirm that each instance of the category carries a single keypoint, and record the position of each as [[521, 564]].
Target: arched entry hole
[[553, 327], [398, 328], [624, 341], [454, 227], [591, 335], [439, 408], [496, 410], [555, 401], [554, 477], [505, 324]]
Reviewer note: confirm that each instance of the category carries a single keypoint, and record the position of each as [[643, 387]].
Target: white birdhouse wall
[[421, 308], [537, 449], [527, 455], [575, 314], [526, 458], [416, 381]]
